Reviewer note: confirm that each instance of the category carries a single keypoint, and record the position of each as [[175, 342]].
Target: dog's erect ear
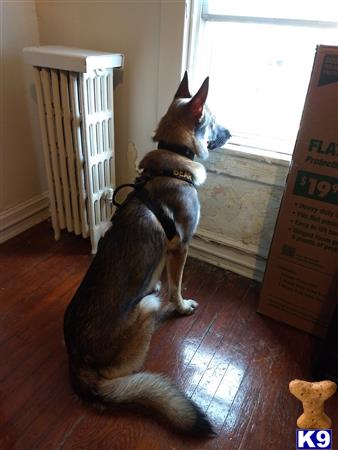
[[196, 104], [183, 89]]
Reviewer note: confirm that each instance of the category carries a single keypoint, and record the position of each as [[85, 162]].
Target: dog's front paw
[[186, 306]]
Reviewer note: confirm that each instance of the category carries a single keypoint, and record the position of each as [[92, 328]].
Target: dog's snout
[[222, 136]]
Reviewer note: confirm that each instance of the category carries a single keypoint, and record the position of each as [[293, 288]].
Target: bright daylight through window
[[259, 55]]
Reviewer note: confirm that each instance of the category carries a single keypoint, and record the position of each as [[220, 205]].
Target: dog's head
[[189, 122]]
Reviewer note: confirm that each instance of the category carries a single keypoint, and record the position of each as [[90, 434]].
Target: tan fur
[[175, 264], [164, 398], [138, 332], [175, 127]]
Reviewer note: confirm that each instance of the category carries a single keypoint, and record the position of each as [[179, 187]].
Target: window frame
[[198, 17]]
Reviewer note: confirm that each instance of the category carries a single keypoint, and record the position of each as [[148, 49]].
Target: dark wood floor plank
[[34, 412], [58, 431], [41, 328], [56, 267], [264, 414], [33, 245], [22, 253], [233, 362], [206, 360], [164, 344], [35, 305], [243, 410], [213, 324]]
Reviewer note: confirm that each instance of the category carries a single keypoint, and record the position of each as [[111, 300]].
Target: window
[[259, 55]]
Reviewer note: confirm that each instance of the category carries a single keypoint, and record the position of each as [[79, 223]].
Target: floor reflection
[[215, 376]]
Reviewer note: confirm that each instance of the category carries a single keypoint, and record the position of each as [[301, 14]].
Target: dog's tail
[[157, 393]]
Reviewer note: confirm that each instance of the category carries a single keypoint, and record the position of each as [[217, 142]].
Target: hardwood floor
[[233, 362]]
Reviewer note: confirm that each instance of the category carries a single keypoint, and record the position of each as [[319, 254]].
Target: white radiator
[[74, 90]]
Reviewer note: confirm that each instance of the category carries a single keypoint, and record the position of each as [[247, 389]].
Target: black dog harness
[[153, 204]]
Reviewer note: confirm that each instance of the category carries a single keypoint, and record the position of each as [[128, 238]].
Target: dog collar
[[182, 150], [183, 175], [180, 174]]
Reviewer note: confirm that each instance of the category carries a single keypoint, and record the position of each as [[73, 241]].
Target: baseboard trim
[[243, 261], [19, 218]]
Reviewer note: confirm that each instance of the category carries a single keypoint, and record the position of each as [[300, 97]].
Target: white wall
[[129, 27], [22, 172]]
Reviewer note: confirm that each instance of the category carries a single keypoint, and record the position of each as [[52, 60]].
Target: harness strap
[[122, 186], [157, 209], [153, 204]]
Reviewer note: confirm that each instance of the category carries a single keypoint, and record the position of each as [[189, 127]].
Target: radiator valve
[[108, 195]]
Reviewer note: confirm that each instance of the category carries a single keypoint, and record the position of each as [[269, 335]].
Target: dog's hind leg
[[136, 338], [175, 264]]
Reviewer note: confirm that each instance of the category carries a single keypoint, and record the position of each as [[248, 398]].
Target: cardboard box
[[301, 278]]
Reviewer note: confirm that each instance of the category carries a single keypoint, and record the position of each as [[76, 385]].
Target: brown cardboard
[[301, 277]]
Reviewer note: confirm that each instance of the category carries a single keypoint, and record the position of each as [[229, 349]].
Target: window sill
[[250, 165], [256, 154]]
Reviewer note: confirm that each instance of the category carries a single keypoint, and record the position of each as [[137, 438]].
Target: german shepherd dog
[[111, 318]]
